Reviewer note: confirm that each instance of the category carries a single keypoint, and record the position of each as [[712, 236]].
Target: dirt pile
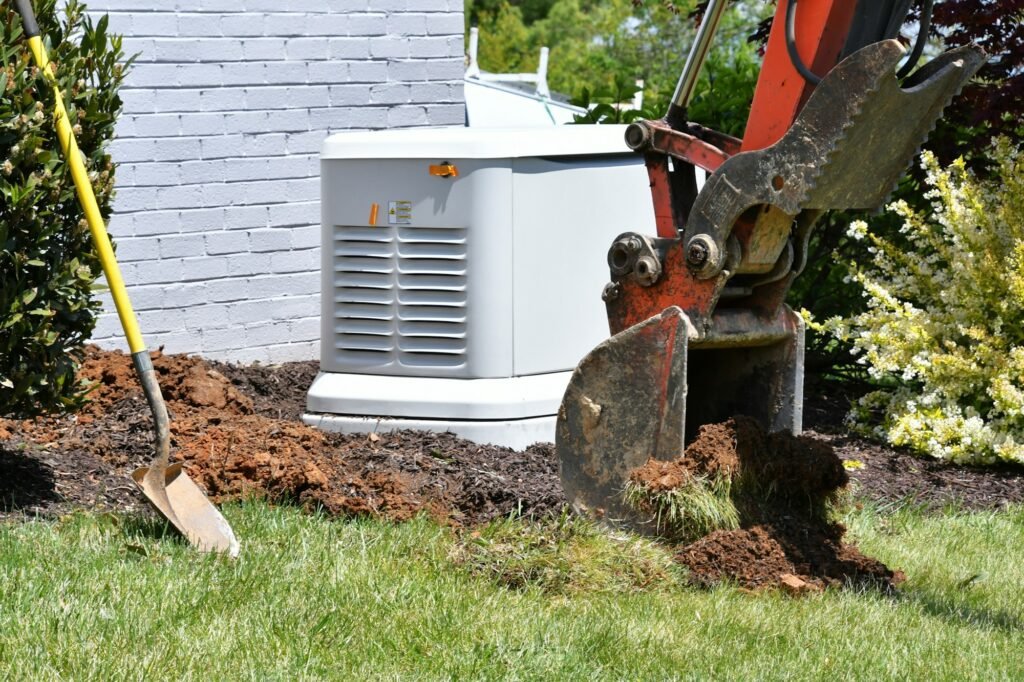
[[237, 431], [781, 487], [740, 449], [235, 446], [186, 381], [395, 476]]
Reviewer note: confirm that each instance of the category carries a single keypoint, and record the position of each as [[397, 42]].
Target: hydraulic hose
[[915, 54]]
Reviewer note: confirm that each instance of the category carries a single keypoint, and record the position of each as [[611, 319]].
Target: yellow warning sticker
[[400, 212]]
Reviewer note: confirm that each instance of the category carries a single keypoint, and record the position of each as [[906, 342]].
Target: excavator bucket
[[625, 403], [643, 392], [722, 343]]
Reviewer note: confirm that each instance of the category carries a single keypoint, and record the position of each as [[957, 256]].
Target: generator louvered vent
[[400, 295]]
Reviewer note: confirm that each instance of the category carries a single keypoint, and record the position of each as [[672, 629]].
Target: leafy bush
[[47, 266], [604, 106], [988, 107], [944, 324]]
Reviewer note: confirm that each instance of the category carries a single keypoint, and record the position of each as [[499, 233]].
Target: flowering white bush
[[944, 324]]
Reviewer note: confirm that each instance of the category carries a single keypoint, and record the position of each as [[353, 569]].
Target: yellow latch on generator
[[444, 170]]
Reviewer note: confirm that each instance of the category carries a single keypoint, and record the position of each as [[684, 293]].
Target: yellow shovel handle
[[88, 201]]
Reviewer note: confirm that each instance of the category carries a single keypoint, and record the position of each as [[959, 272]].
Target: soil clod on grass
[[752, 508]]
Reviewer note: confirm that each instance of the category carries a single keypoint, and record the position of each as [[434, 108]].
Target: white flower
[[942, 317], [858, 230]]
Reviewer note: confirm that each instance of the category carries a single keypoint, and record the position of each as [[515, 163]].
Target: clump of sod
[[734, 474], [683, 505], [565, 555]]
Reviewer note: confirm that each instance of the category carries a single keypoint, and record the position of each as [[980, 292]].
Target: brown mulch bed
[[237, 431], [895, 477]]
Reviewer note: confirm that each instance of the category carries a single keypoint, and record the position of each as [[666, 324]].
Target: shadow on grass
[[956, 612], [152, 527]]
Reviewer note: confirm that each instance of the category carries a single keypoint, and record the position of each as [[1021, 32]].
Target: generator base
[[516, 434], [510, 411]]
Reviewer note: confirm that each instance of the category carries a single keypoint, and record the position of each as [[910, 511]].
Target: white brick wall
[[217, 209]]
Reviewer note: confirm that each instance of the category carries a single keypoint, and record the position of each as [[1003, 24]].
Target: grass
[[691, 510], [98, 597], [566, 556]]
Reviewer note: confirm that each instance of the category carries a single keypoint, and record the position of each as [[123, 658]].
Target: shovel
[[168, 487]]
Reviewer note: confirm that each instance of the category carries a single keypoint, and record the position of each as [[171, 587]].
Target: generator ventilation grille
[[400, 297]]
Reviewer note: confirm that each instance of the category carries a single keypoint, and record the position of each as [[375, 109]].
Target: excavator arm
[[700, 328]]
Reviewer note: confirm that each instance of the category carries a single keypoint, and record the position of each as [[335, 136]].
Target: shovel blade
[[185, 505]]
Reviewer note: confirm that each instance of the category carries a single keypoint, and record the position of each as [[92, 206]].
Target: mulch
[[237, 431], [893, 477]]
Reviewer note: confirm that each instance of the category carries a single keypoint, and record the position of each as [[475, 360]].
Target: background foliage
[[943, 328], [47, 266], [601, 48], [989, 106]]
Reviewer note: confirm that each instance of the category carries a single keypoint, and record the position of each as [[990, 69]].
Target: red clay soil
[[235, 452], [785, 538]]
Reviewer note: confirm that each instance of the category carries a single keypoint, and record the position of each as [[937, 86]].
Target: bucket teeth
[[887, 130], [848, 147]]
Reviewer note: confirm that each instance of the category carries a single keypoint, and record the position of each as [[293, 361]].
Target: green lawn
[[105, 598]]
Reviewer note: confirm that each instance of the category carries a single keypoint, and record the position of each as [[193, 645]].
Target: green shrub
[[47, 266], [943, 330]]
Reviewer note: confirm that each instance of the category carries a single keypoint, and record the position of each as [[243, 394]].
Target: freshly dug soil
[[793, 466], [781, 488], [278, 391], [233, 443], [395, 476], [237, 431]]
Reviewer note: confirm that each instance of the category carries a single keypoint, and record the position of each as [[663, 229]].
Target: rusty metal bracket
[[704, 148]]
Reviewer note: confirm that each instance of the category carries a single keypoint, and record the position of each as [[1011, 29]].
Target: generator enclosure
[[462, 272]]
